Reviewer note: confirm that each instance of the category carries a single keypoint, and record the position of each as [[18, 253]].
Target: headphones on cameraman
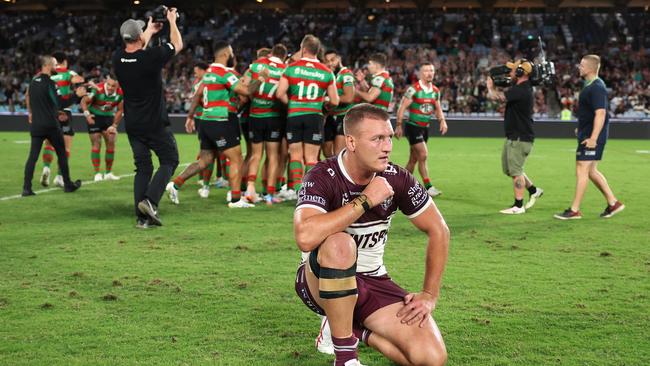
[[519, 71]]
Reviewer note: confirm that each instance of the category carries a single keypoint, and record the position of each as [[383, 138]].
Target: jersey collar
[[424, 87], [381, 73], [275, 59], [218, 64], [339, 160], [310, 59]]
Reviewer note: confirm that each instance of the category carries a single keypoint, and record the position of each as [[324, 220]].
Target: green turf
[[79, 285]]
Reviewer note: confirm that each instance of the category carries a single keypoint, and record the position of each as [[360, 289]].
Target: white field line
[[83, 183]]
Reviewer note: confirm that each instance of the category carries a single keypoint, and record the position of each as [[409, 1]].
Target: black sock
[[532, 189], [519, 203]]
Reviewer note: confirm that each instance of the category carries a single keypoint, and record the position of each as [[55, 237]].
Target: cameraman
[[518, 124], [139, 71]]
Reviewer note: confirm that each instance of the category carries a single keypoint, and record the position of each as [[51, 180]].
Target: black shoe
[[72, 187], [28, 192], [142, 223], [146, 207]]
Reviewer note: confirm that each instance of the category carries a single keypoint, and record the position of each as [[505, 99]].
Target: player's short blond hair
[[360, 112], [311, 43], [594, 61]]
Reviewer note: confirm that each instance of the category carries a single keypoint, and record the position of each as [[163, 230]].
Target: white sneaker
[[200, 182], [228, 196], [354, 362], [240, 204], [221, 183], [173, 193], [111, 176], [514, 210], [204, 191], [284, 187], [58, 181], [324, 340], [433, 192], [99, 177], [533, 198], [45, 177], [288, 195]]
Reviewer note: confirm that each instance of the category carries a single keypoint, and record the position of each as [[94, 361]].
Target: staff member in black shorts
[[593, 127], [518, 124], [139, 71], [44, 124]]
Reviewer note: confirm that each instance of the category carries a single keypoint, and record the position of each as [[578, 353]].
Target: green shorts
[[514, 157]]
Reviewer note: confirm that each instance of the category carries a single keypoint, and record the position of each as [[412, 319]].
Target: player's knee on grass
[[428, 354]]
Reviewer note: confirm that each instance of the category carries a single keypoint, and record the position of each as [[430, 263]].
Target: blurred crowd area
[[462, 46]]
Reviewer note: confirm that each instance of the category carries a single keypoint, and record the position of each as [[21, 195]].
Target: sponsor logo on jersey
[[417, 195], [128, 60], [311, 74]]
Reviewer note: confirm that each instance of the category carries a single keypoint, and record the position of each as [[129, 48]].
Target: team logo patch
[[426, 108]]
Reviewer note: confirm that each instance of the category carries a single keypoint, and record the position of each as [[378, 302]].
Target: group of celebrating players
[[289, 110]]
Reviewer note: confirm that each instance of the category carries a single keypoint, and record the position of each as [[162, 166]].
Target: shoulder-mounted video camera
[[542, 72]]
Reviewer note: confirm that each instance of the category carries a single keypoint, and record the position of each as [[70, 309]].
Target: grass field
[[79, 285]]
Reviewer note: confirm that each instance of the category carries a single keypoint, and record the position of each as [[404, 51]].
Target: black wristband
[[365, 205]]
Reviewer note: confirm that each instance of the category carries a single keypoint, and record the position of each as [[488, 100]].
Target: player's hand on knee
[[378, 190], [417, 308]]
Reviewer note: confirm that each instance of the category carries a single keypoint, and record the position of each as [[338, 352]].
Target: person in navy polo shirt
[[593, 127]]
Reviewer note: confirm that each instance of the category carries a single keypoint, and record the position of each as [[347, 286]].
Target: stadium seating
[[462, 45]]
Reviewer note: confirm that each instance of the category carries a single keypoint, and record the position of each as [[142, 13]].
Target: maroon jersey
[[328, 187]]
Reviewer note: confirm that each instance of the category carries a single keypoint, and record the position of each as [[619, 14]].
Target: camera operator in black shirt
[[139, 71], [43, 118], [518, 125]]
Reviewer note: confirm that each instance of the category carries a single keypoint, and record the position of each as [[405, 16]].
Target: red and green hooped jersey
[[63, 81], [384, 83], [196, 84], [344, 78], [217, 82], [264, 103], [424, 102], [308, 81], [104, 104]]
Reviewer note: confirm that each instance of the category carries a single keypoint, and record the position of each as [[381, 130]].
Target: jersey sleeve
[[348, 79], [231, 80], [378, 81], [410, 92], [316, 190], [411, 197], [599, 98], [514, 94], [163, 54]]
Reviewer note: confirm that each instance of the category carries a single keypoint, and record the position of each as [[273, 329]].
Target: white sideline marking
[[643, 151], [83, 183], [22, 142]]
